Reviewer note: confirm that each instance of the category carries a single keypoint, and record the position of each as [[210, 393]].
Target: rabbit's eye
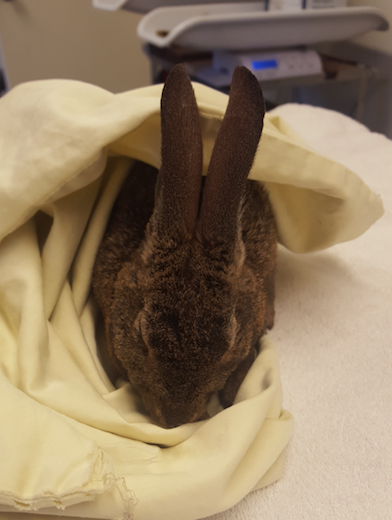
[[140, 329], [143, 346]]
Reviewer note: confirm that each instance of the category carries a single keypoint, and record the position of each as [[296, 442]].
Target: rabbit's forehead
[[190, 294], [193, 263]]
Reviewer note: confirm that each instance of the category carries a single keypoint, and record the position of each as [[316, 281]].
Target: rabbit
[[185, 272]]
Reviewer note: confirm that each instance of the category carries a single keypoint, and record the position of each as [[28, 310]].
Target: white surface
[[248, 26], [333, 333]]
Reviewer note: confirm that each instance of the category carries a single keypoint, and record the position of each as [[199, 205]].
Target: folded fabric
[[69, 439]]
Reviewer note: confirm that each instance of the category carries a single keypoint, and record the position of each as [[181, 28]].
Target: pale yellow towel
[[68, 438]]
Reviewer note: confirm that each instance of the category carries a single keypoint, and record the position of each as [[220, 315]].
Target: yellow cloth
[[68, 438]]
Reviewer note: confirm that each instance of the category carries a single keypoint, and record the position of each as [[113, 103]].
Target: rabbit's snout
[[170, 415], [175, 419]]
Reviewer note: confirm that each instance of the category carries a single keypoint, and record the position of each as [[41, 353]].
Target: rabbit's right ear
[[179, 179]]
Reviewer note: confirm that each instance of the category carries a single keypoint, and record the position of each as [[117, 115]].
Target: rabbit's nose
[[177, 418], [167, 420]]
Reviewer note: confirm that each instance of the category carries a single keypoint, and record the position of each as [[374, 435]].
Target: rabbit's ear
[[232, 159], [179, 180]]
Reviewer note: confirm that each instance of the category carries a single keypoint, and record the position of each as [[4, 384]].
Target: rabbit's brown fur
[[185, 273]]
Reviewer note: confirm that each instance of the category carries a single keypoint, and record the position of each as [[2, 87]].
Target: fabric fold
[[64, 128]]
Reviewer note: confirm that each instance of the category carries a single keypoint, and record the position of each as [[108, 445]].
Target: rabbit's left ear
[[179, 179], [232, 158]]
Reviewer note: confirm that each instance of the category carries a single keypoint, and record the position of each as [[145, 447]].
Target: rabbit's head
[[186, 311]]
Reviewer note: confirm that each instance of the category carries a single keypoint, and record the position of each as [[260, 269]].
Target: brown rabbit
[[185, 272]]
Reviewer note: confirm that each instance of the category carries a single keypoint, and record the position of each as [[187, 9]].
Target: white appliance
[[270, 65]]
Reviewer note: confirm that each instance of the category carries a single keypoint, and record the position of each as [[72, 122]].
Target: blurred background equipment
[[331, 53]]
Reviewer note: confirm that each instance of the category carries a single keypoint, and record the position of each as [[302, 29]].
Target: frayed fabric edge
[[100, 480]]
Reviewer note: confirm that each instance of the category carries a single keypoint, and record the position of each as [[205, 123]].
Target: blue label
[[264, 64]]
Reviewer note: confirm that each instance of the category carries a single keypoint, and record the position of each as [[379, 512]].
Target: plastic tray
[[144, 6], [248, 26]]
